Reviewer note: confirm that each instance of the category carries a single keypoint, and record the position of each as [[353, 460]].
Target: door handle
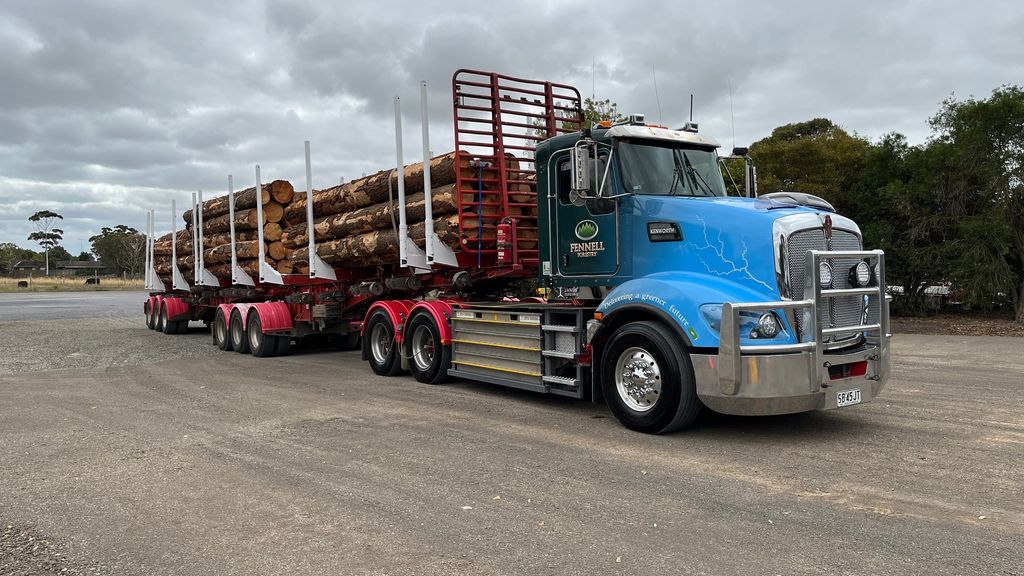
[[565, 260]]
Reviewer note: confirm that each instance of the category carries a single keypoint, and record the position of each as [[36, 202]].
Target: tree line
[[121, 248], [948, 212]]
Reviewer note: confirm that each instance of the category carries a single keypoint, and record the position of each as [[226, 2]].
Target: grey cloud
[[110, 108]]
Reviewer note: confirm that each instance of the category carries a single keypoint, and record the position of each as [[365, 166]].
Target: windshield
[[666, 169]]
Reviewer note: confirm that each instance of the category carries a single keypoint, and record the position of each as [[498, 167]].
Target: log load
[[373, 189], [162, 245], [280, 191], [378, 246], [376, 217]]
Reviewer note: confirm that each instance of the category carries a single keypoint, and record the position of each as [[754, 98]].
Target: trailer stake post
[[317, 267], [205, 277], [267, 272], [238, 276], [178, 281], [409, 254]]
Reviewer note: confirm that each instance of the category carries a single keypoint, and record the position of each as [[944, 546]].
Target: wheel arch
[[396, 310], [274, 316], [177, 308], [440, 311], [619, 317]]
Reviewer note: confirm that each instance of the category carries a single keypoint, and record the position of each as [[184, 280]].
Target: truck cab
[[748, 305]]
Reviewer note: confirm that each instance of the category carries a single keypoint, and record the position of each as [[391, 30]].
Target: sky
[[109, 108]]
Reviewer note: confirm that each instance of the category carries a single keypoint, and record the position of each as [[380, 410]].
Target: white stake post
[[238, 276], [205, 277], [154, 278], [267, 272], [409, 254], [195, 242], [177, 279], [149, 253], [437, 251], [317, 267]]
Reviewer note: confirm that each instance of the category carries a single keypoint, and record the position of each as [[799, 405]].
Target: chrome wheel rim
[[255, 337], [220, 331], [638, 379], [422, 348], [380, 343], [236, 333]]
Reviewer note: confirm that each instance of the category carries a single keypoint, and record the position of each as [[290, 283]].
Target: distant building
[[25, 268]]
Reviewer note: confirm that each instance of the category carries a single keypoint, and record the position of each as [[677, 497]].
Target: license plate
[[847, 398]]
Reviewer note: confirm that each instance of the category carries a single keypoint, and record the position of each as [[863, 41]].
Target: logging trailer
[[662, 293]]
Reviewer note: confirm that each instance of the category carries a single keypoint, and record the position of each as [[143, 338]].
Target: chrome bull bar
[[731, 352]]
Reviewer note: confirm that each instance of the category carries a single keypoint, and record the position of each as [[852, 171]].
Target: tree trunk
[[373, 189], [276, 250], [250, 266], [244, 200], [273, 212], [222, 253], [272, 232], [212, 240], [245, 220], [1019, 301], [282, 191], [375, 217], [379, 246]]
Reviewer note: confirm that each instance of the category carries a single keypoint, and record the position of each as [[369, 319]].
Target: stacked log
[[355, 223], [274, 197]]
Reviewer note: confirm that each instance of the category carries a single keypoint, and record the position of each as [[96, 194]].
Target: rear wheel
[[150, 319], [239, 340], [648, 380], [283, 345], [161, 315], [429, 360], [382, 351], [221, 338], [261, 345]]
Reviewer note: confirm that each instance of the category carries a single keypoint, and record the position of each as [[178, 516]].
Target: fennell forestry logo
[[586, 230]]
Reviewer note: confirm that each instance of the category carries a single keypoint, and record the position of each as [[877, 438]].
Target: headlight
[[860, 275], [825, 274], [767, 325]]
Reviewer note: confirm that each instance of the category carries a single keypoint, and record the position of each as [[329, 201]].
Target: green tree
[[59, 253], [85, 256], [46, 234], [816, 157], [11, 254], [121, 248], [983, 184]]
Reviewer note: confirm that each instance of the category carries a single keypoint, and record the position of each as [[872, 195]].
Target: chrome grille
[[836, 312]]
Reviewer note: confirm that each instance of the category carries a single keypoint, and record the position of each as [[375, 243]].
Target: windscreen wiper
[[698, 180]]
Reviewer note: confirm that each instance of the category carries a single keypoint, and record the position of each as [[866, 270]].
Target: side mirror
[[579, 157], [740, 151]]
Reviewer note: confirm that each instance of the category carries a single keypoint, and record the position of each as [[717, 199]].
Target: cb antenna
[[732, 115], [691, 107], [657, 97]]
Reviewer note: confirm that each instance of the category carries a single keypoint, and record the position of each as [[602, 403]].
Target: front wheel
[[382, 352], [429, 360], [648, 380]]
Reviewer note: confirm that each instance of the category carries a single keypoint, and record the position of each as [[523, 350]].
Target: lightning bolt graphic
[[720, 252]]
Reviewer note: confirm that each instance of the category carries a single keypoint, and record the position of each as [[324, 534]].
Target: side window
[[563, 179], [601, 205]]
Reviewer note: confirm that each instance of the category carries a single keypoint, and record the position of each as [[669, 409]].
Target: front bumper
[[783, 379], [780, 383]]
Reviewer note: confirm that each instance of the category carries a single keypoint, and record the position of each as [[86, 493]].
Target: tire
[[283, 345], [239, 339], [161, 313], [221, 337], [649, 354], [150, 318], [182, 327], [260, 344], [382, 353], [429, 360]]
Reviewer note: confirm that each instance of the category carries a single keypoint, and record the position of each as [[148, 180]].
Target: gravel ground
[[169, 457]]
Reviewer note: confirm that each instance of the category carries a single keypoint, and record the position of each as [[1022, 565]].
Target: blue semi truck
[[666, 286]]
